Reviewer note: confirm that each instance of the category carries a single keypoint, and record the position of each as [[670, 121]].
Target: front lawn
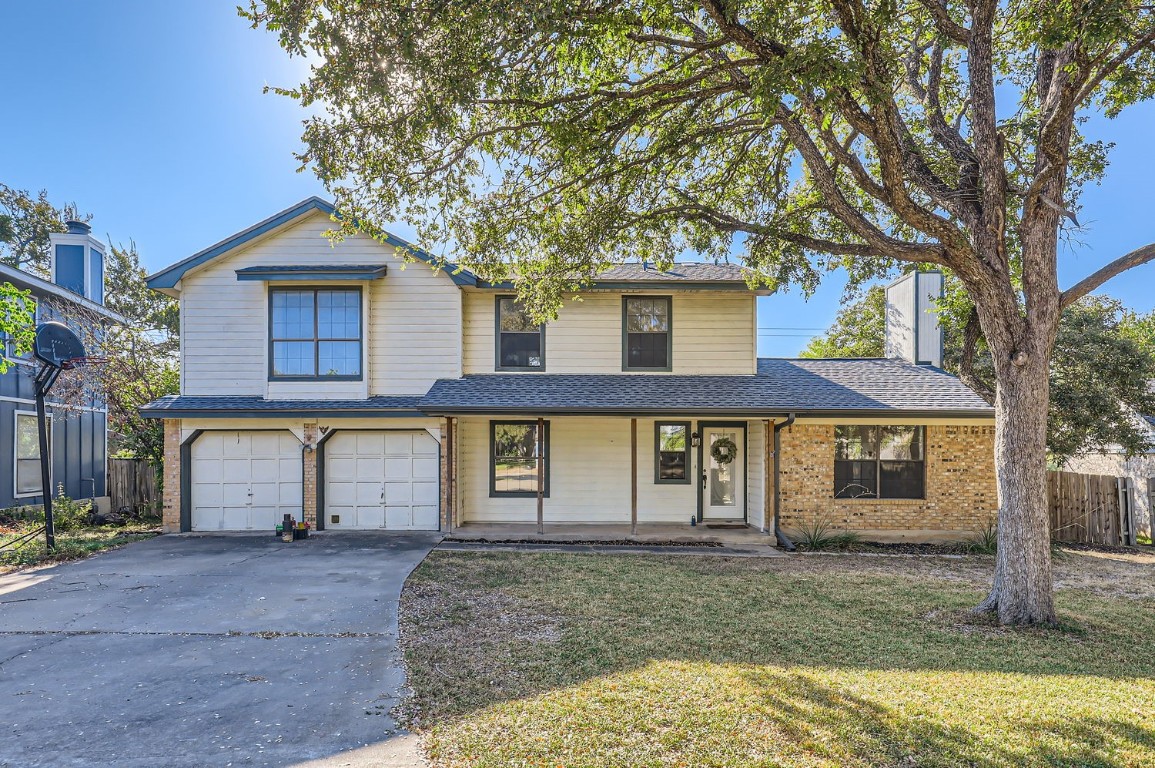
[[625, 660], [70, 544]]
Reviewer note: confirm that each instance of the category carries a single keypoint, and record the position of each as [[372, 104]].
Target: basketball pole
[[44, 381]]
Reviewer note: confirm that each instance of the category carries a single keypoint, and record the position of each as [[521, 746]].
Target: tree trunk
[[1022, 591]]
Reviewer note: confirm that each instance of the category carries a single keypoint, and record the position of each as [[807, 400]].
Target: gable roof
[[690, 271], [170, 276], [842, 387]]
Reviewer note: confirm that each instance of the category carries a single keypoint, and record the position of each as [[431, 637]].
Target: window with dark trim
[[520, 341], [672, 452], [879, 462], [513, 458], [315, 333], [27, 475], [646, 340]]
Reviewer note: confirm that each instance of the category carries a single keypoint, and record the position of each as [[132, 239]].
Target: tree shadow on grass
[[831, 723]]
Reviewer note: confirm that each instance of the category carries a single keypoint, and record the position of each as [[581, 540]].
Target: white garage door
[[381, 480], [245, 480]]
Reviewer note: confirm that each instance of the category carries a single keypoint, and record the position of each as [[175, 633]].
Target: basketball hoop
[[82, 362], [58, 349]]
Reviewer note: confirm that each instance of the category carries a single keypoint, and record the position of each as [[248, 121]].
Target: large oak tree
[[547, 138]]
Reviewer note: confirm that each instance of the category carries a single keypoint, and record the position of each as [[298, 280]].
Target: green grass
[[580, 660], [70, 544]]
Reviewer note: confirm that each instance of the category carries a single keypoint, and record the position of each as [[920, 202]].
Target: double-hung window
[[28, 453], [520, 341], [646, 340], [672, 452], [315, 333], [879, 462], [513, 452]]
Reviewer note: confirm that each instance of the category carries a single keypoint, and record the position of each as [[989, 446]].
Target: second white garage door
[[244, 481], [381, 480]]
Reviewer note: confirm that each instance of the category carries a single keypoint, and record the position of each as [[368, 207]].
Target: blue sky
[[150, 116]]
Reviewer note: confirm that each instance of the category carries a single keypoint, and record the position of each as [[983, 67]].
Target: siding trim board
[[186, 480]]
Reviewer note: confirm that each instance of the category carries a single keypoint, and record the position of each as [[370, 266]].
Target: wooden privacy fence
[[132, 483], [1090, 509]]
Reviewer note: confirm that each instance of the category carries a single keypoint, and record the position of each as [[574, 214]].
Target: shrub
[[986, 539], [820, 535], [67, 514]]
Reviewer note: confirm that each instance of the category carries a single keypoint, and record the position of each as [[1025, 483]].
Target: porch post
[[540, 475], [767, 503], [633, 477]]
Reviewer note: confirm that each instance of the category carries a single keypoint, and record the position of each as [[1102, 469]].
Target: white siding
[[590, 475], [714, 333], [411, 336]]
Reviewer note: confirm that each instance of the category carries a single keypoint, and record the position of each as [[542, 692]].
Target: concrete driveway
[[209, 651]]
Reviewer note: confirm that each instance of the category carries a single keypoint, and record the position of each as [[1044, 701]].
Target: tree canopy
[[26, 220], [546, 139]]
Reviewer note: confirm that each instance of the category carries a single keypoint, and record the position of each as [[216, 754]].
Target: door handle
[[703, 479]]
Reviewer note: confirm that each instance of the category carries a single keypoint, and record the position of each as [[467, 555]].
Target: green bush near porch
[[582, 660]]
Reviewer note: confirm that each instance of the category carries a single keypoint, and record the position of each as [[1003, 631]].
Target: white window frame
[[16, 494]]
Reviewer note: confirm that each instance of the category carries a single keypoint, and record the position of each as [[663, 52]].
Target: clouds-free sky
[[150, 115]]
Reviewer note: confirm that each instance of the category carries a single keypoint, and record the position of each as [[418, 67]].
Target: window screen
[[883, 462], [646, 321]]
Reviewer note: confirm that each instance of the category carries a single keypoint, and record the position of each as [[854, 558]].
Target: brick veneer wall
[[961, 494], [309, 475], [170, 513]]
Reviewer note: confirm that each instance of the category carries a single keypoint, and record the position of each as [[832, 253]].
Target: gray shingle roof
[[688, 272], [176, 406], [874, 386]]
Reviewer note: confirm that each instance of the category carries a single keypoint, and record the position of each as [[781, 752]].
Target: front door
[[723, 465]]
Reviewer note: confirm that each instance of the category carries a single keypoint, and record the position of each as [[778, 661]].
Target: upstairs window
[[646, 341], [877, 462], [315, 333], [520, 341]]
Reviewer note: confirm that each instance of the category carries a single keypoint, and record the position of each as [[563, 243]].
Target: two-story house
[[338, 384], [78, 426]]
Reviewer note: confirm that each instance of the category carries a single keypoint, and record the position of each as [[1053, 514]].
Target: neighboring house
[[79, 430], [1140, 470], [335, 383]]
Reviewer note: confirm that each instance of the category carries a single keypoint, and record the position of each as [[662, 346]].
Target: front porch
[[724, 535]]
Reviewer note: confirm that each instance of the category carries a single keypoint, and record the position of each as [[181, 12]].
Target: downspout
[[782, 538]]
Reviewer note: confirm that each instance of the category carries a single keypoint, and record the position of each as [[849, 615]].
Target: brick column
[[170, 512], [309, 475]]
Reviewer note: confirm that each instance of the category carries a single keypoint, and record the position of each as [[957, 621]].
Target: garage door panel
[[236, 470], [425, 468], [235, 444], [425, 445], [425, 518], [425, 493], [367, 493], [206, 470], [402, 465], [398, 493], [399, 468], [340, 468]]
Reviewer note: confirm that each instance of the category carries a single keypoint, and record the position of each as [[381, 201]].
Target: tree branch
[[944, 23], [1135, 258]]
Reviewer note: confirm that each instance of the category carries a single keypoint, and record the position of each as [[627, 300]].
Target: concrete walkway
[[209, 651]]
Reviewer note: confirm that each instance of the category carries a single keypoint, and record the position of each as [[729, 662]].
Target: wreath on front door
[[724, 450]]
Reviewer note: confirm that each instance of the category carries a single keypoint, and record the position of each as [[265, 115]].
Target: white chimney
[[78, 261], [912, 329]]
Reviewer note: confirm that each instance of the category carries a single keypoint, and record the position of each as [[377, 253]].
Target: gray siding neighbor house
[[1140, 470], [79, 430]]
